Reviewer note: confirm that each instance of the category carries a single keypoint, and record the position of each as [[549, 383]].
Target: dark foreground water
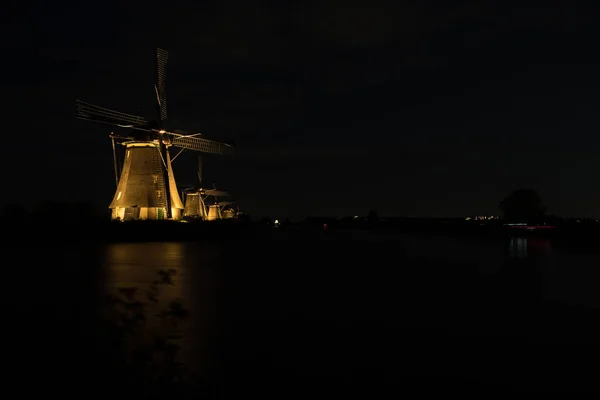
[[284, 317]]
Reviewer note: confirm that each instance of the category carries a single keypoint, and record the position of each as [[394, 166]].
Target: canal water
[[287, 316]]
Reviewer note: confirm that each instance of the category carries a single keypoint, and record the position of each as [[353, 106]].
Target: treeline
[[54, 211]]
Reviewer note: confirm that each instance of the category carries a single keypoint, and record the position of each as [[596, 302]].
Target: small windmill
[[209, 204], [146, 187]]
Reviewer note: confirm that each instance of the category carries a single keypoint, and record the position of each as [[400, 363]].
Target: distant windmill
[[146, 187], [208, 204]]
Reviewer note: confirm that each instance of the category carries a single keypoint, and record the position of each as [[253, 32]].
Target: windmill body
[[209, 205], [142, 190], [146, 188], [194, 206]]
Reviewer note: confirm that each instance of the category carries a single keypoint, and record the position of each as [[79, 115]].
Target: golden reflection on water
[[138, 265], [196, 283]]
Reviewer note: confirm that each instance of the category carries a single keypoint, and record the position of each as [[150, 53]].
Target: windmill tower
[[194, 200], [208, 204], [146, 188]]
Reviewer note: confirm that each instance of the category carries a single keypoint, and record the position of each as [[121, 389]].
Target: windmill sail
[[161, 98], [201, 145], [162, 56], [96, 113]]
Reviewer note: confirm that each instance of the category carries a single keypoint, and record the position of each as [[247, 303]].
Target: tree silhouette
[[373, 216], [522, 205]]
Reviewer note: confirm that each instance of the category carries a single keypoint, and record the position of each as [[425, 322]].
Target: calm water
[[567, 276], [320, 310], [197, 283]]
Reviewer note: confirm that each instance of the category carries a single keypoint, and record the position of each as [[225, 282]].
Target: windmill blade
[[201, 145], [93, 112], [121, 138], [162, 56], [216, 193]]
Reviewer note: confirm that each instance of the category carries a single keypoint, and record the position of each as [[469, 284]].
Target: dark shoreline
[[408, 224], [573, 234]]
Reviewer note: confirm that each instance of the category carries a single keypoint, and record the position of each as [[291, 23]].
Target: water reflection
[[138, 264], [522, 276], [529, 247], [196, 283], [517, 247]]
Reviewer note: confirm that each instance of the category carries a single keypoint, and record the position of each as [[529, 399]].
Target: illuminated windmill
[[208, 204], [146, 187]]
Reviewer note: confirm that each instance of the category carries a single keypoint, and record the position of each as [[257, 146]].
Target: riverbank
[[574, 235]]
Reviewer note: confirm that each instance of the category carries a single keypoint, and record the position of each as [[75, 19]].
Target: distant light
[[356, 217], [162, 131], [276, 221], [324, 225]]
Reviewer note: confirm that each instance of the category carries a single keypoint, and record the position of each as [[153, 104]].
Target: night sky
[[421, 108]]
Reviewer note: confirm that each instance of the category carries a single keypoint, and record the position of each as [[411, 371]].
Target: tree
[[522, 205], [373, 216]]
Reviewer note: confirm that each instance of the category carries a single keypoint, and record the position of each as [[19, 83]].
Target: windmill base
[[143, 213]]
